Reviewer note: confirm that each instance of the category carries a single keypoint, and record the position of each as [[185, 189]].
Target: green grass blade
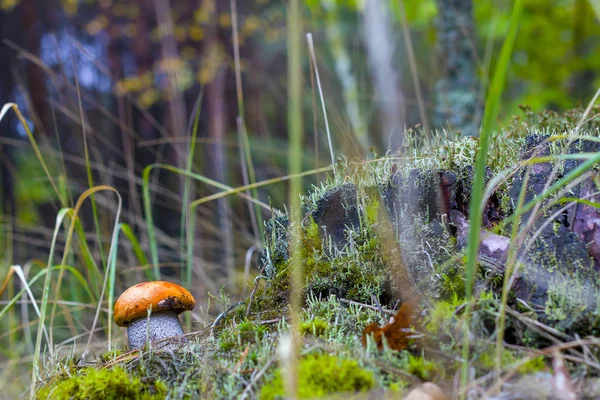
[[295, 130], [240, 189], [33, 142], [241, 113], [46, 291], [88, 167], [111, 272], [137, 249], [148, 206], [76, 274], [491, 112], [111, 265], [69, 238], [558, 185], [475, 208], [186, 217], [19, 272]]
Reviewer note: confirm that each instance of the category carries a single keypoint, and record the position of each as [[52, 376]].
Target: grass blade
[[186, 217], [475, 208], [311, 48], [46, 291], [241, 113], [148, 206], [36, 149], [137, 249], [295, 130]]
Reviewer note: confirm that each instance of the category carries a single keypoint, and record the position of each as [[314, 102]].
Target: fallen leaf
[[396, 332]]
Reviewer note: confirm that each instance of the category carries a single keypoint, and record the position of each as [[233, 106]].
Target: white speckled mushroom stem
[[163, 325]]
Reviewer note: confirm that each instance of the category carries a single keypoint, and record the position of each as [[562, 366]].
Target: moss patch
[[322, 375], [103, 384]]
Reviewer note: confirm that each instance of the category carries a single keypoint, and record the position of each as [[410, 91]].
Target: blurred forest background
[[109, 87]]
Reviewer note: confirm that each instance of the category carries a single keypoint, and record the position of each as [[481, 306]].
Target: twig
[[224, 314], [257, 377], [356, 303]]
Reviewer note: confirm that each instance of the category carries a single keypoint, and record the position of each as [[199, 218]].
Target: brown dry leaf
[[396, 331]]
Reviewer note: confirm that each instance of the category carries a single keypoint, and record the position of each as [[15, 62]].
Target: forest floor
[[385, 305]]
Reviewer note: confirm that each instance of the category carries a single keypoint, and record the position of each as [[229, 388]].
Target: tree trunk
[[386, 77], [456, 101]]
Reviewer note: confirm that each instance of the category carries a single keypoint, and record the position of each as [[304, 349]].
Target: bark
[[216, 157], [386, 78], [456, 101], [31, 16]]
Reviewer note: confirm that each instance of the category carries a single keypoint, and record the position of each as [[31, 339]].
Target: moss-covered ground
[[351, 281]]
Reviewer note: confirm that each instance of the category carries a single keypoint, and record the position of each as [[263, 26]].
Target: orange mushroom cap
[[160, 295]]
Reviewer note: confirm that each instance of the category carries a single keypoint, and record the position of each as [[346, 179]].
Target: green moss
[[226, 342], [322, 375], [372, 212], [111, 355], [399, 386], [355, 272], [103, 384], [509, 358], [315, 327], [240, 334], [442, 314], [424, 369], [311, 239], [452, 280]]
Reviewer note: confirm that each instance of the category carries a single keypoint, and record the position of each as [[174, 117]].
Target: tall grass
[[254, 214], [147, 201], [313, 56], [295, 132]]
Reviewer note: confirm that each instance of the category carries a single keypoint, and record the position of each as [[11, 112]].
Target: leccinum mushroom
[[165, 299]]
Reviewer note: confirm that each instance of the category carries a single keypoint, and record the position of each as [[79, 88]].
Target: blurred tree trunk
[[217, 162], [6, 87], [177, 112], [32, 14], [580, 83], [379, 42], [456, 92]]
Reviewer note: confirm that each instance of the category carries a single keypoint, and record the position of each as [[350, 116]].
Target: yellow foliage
[[7, 5], [196, 33], [205, 75], [132, 84], [148, 97], [170, 64], [147, 79], [132, 11], [225, 20], [201, 15], [96, 25], [120, 88], [70, 6], [251, 24]]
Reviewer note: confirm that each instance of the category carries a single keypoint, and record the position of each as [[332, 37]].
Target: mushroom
[[166, 301]]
